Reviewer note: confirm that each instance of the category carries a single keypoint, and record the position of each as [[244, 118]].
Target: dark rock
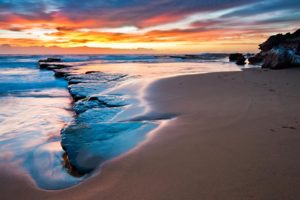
[[275, 59], [52, 66], [60, 73], [271, 42], [289, 40], [51, 60], [44, 65], [241, 61], [248, 55], [278, 58], [258, 58], [238, 58], [279, 51], [294, 59], [74, 81], [235, 57]]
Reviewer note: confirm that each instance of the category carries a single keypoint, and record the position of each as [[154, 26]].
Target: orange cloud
[[160, 19], [195, 39], [54, 20], [67, 33]]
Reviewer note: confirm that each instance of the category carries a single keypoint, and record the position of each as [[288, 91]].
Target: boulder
[[253, 60], [241, 61], [235, 57]]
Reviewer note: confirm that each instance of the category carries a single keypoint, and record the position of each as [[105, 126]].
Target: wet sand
[[236, 136]]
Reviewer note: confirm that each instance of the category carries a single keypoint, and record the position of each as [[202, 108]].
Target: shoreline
[[136, 110], [101, 102], [219, 147], [91, 88]]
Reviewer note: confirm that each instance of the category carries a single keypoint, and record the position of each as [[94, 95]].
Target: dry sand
[[237, 136]]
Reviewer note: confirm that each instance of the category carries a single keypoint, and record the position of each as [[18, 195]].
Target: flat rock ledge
[[87, 138]]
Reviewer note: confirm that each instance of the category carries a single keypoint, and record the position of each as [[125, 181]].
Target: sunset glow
[[165, 26]]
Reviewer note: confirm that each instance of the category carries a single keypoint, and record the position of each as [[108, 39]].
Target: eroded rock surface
[[279, 51], [94, 135]]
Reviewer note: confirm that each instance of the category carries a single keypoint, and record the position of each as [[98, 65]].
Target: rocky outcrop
[[287, 41], [108, 101], [279, 51], [241, 61], [93, 136], [256, 59], [279, 58], [238, 58], [235, 56]]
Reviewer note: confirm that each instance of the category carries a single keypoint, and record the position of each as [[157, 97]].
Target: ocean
[[59, 131]]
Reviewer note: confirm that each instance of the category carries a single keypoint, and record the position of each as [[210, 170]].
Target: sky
[[142, 26]]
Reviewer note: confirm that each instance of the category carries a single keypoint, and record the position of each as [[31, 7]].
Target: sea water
[[38, 126]]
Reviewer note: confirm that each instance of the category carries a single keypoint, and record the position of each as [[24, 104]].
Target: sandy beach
[[236, 136], [149, 100]]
